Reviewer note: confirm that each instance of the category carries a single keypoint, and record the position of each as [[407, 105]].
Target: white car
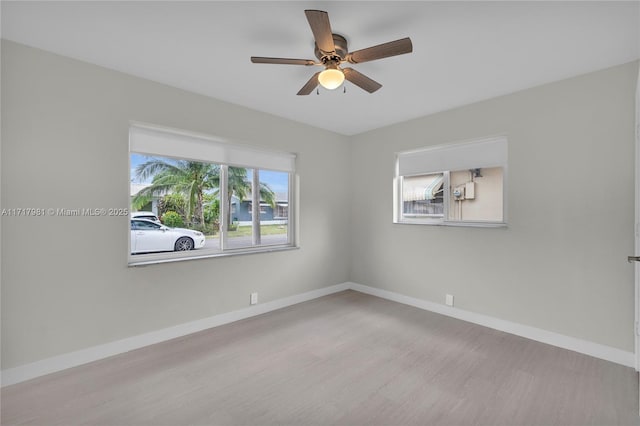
[[148, 236]]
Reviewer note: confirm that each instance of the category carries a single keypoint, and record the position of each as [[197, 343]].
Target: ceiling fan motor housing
[[341, 50]]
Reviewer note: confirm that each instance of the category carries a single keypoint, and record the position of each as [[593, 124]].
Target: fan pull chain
[[317, 91]]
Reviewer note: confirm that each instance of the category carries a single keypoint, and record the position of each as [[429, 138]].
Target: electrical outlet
[[449, 300], [254, 298]]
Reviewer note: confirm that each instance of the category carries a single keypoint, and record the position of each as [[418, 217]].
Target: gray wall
[[561, 263], [65, 281]]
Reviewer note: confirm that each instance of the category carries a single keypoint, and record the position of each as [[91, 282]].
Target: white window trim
[[241, 156], [497, 159]]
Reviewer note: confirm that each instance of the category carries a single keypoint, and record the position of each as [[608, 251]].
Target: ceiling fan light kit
[[331, 51], [331, 78]]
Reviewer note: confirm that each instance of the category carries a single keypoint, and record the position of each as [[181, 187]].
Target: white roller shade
[[153, 141], [462, 156]]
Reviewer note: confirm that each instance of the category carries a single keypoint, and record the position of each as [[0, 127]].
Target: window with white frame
[[282, 210], [212, 198], [461, 184]]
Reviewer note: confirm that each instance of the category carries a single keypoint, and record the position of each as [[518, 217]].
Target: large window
[[193, 196], [459, 184]]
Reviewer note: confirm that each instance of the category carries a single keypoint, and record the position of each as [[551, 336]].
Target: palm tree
[[190, 178], [240, 186]]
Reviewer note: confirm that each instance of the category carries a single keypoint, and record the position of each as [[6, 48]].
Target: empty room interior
[[320, 213]]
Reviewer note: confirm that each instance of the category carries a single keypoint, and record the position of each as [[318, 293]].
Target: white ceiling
[[463, 51]]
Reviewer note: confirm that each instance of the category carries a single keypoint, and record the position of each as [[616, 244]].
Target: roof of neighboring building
[[420, 188], [134, 188]]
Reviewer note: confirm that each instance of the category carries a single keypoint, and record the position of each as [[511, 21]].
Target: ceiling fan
[[331, 51]]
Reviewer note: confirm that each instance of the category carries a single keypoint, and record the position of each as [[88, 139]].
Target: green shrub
[[172, 219], [211, 208], [208, 229], [173, 203]]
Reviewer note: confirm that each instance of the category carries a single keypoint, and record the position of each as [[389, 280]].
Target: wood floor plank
[[347, 358]]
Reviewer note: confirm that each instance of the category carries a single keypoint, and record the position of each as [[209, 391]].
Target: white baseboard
[[566, 342], [62, 362]]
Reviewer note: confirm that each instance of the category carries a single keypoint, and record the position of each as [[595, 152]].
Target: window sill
[[455, 224], [151, 259]]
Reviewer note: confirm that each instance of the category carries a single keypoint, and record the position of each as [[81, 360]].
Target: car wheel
[[184, 244]]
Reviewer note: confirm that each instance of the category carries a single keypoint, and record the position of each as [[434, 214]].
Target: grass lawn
[[245, 231]]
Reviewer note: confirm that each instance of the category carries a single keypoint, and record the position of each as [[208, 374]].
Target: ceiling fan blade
[[282, 61], [385, 50], [361, 80], [310, 85], [321, 28]]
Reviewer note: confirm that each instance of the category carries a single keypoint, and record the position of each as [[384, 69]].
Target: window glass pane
[[274, 207], [239, 223], [423, 195], [174, 205], [476, 195]]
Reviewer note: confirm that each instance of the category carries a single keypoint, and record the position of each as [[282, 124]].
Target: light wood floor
[[347, 359]]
